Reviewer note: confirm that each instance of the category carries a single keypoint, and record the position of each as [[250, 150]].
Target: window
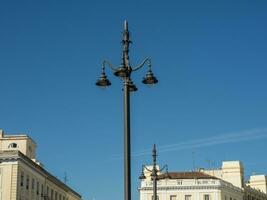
[[21, 179], [179, 182], [188, 197], [52, 194], [33, 182], [173, 197], [42, 190], [206, 197], [27, 182], [13, 145], [37, 188], [47, 191], [55, 195]]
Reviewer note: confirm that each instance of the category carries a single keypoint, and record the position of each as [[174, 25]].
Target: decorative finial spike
[[154, 151], [125, 25], [154, 155]]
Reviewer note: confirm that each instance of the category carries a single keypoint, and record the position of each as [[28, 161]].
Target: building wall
[[19, 181], [229, 184], [35, 185], [252, 194], [23, 143], [258, 182], [71, 196], [8, 181], [181, 195], [194, 189], [233, 172]]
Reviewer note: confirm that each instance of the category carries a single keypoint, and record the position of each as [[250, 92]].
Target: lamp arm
[[147, 168], [106, 62], [142, 64], [164, 167]]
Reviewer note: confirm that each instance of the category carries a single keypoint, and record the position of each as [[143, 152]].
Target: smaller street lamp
[[154, 172]]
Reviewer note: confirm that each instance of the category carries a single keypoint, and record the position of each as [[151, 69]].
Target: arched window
[[13, 145]]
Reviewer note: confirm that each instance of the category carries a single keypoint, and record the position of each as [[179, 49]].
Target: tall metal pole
[[127, 143], [127, 135]]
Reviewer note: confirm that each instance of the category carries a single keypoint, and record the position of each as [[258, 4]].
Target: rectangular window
[[55, 195], [21, 179], [33, 182], [47, 191], [37, 188], [42, 190], [206, 197], [188, 197], [179, 182], [27, 182], [173, 197], [52, 194]]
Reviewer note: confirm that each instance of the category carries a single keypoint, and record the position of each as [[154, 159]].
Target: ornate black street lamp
[[124, 72], [154, 172]]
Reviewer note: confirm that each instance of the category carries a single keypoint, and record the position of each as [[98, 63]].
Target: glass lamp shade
[[103, 81], [142, 176], [121, 72], [132, 87], [150, 79]]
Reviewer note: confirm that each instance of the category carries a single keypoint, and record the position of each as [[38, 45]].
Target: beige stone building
[[226, 183], [22, 177]]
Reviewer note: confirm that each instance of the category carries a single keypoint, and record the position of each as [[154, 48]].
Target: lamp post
[[124, 72], [154, 172]]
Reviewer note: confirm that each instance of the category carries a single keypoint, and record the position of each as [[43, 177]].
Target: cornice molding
[[202, 187]]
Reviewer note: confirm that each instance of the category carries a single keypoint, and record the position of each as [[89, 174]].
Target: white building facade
[[22, 177], [221, 184]]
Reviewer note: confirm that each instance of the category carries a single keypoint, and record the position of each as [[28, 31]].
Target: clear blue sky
[[211, 61]]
